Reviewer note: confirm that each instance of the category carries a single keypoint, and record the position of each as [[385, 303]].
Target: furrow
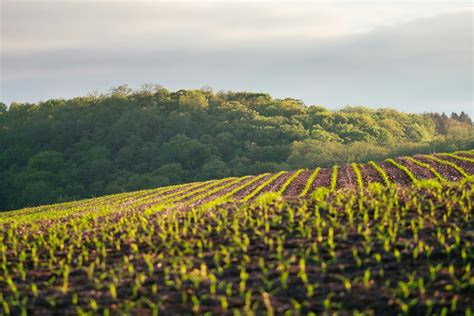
[[448, 163], [448, 172], [465, 165], [207, 196], [463, 158], [370, 174], [381, 172], [323, 180], [284, 188], [266, 183], [309, 182], [198, 191], [242, 190], [276, 185], [394, 174], [347, 178], [407, 171], [433, 171], [419, 172]]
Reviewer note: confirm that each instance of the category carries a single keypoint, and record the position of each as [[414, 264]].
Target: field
[[393, 237]]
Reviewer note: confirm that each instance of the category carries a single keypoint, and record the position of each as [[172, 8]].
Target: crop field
[[391, 237]]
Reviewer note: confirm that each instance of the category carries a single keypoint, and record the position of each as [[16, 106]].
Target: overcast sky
[[414, 56]]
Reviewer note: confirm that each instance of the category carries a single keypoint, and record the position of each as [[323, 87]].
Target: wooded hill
[[61, 150]]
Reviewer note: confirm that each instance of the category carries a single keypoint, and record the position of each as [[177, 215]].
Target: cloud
[[416, 58]]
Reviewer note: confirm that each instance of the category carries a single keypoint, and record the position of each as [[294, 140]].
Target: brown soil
[[295, 188], [221, 192], [154, 196], [377, 297], [449, 173], [160, 198], [419, 172], [467, 155], [369, 174], [323, 179], [465, 165], [346, 177], [394, 174], [250, 188], [278, 183]]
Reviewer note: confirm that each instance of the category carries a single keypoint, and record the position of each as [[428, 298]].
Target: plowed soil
[[323, 179], [352, 278], [223, 191], [184, 192], [394, 174], [467, 155], [419, 172], [295, 188], [449, 173], [467, 166], [242, 193], [346, 177], [369, 175], [278, 183]]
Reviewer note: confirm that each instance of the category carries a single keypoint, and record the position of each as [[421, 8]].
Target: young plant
[[407, 171], [333, 183], [461, 171], [360, 183], [309, 182], [289, 181], [381, 172]]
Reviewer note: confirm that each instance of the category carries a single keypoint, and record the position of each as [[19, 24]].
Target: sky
[[415, 56]]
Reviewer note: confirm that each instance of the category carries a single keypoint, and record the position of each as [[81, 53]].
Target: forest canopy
[[61, 150]]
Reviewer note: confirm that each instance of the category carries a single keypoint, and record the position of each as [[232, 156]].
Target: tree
[[172, 172], [58, 150], [121, 91], [324, 136], [464, 118], [150, 88], [194, 99], [48, 160], [39, 192], [190, 153], [215, 168]]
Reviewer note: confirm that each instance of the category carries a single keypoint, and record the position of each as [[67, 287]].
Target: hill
[[392, 237], [445, 167], [62, 150]]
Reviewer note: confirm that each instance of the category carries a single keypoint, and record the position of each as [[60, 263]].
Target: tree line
[[61, 150]]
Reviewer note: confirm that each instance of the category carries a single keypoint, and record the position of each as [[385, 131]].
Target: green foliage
[[333, 183], [193, 99], [61, 150], [360, 183]]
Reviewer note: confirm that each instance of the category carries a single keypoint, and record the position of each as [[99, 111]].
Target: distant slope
[[443, 167], [326, 248], [62, 150]]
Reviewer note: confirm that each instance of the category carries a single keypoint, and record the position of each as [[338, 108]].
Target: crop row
[[405, 171], [384, 249]]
